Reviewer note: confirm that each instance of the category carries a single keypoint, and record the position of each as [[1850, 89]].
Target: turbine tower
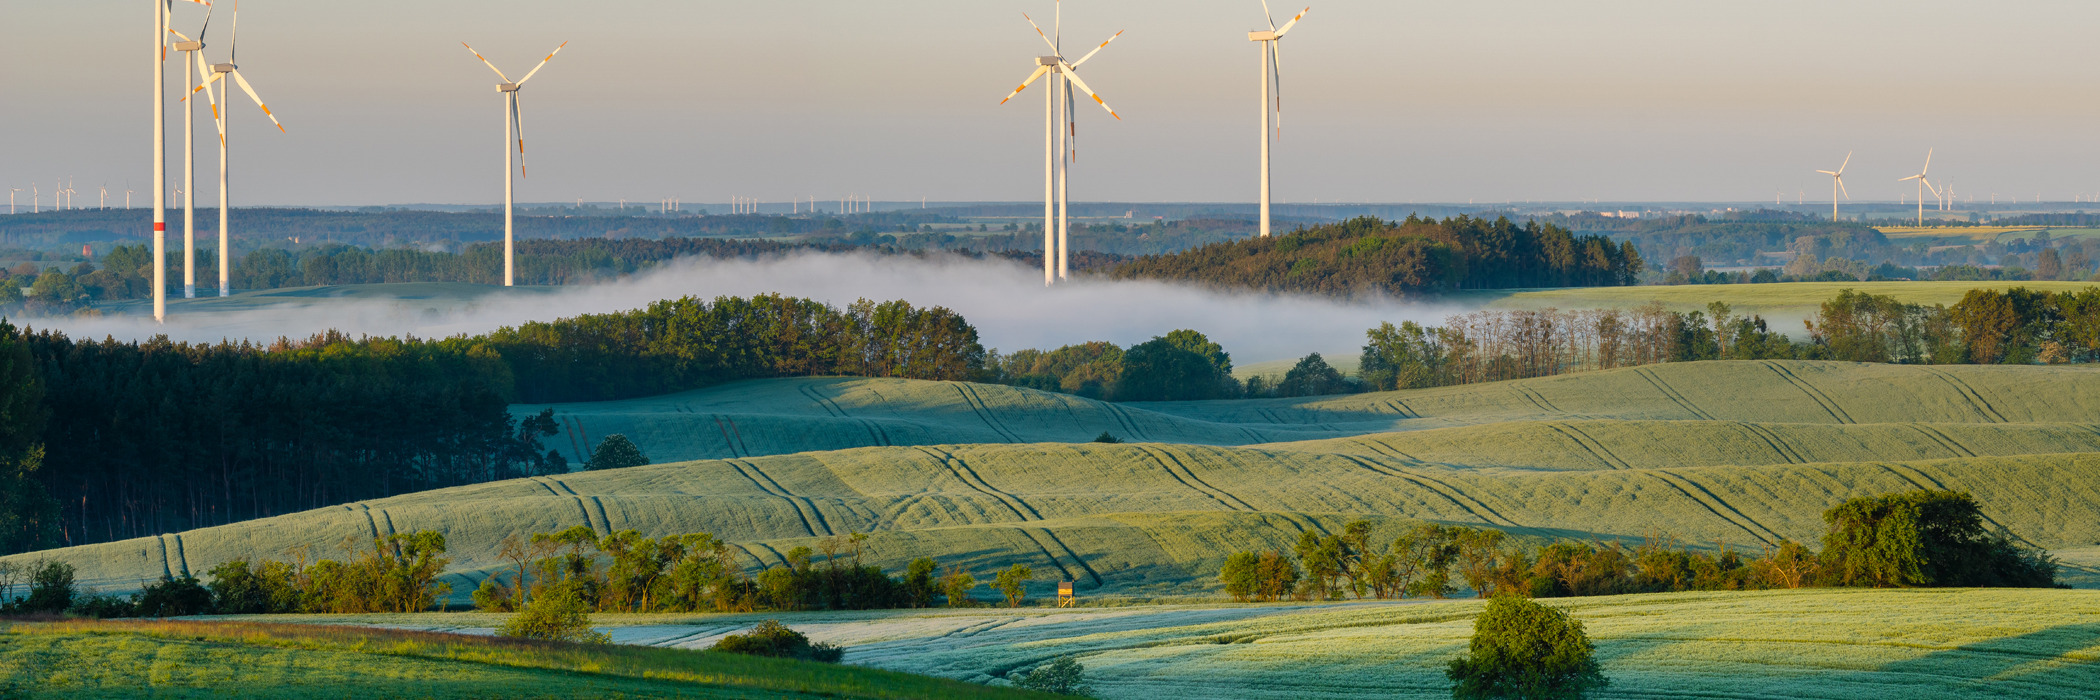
[[1064, 77], [1923, 185], [1271, 74], [219, 73], [1837, 184], [511, 123]]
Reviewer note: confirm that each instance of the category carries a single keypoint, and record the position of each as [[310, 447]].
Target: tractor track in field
[[983, 411], [1400, 407], [1589, 444], [1714, 504], [1533, 396], [970, 478], [1483, 513], [1065, 573], [1129, 420], [829, 407], [570, 425], [1969, 393], [728, 442], [1773, 440], [1081, 561], [1922, 478], [806, 509], [1671, 393], [1942, 439], [754, 555], [1829, 405], [1390, 451], [1195, 483]]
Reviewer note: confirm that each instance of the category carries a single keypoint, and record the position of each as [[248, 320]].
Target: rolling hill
[[1737, 453]]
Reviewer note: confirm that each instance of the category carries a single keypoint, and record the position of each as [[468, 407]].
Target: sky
[[1486, 100]]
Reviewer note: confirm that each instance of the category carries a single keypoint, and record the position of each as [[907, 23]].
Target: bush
[[244, 589], [50, 587], [1522, 649], [103, 607], [1107, 439], [1063, 677], [616, 452], [770, 638], [919, 586], [174, 597], [559, 614]]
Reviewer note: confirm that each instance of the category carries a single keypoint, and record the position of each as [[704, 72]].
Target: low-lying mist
[[1006, 301]]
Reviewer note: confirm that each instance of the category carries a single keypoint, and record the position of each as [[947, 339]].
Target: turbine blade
[[185, 37], [1081, 84], [1097, 49], [1032, 77], [1928, 163], [485, 62], [1826, 172], [1039, 32], [1265, 14], [543, 63], [1294, 22], [233, 34], [206, 29], [1841, 187], [245, 87], [1848, 161], [517, 123], [1913, 177], [1276, 78], [1928, 186]]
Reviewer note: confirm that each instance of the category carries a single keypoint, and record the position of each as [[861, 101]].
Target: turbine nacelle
[[188, 46], [1263, 35], [507, 87], [224, 68], [1047, 60]]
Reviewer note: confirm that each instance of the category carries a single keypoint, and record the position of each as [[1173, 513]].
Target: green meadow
[[1737, 454]]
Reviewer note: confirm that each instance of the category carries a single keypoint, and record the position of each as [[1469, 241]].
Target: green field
[[1738, 453], [1813, 643], [1789, 300], [191, 659]]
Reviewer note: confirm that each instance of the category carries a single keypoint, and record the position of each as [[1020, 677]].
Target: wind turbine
[[1271, 74], [190, 48], [1837, 184], [11, 200], [162, 12], [1056, 173], [511, 123], [219, 73], [1923, 185]]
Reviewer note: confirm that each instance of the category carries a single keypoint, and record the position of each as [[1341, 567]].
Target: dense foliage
[[397, 575], [1522, 649], [1921, 538], [1371, 256], [1062, 676], [770, 638], [1179, 366]]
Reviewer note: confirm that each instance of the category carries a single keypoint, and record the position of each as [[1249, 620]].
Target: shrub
[[50, 587], [1013, 583], [616, 452], [770, 638], [1522, 649], [559, 614], [102, 607], [1107, 439], [244, 589], [174, 597], [1063, 676]]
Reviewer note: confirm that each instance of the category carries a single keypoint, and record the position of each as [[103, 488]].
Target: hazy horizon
[[1509, 101]]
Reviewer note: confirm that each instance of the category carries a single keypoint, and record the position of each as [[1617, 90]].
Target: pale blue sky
[[1385, 101]]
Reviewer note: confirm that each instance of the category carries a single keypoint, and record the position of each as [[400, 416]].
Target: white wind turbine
[[11, 200], [219, 73], [192, 70], [1064, 78], [1923, 185], [1271, 74], [511, 123], [1837, 184], [163, 10]]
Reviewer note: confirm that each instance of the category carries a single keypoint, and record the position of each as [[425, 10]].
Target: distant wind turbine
[[512, 123], [219, 73], [11, 200], [1271, 76], [1923, 185], [1837, 184]]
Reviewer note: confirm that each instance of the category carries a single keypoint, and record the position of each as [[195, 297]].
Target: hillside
[[1742, 453]]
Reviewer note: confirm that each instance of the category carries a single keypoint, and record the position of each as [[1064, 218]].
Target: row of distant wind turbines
[[1837, 186], [1064, 77], [61, 197]]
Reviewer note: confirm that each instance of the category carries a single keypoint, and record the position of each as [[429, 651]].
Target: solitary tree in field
[[616, 452], [1522, 649], [1013, 583]]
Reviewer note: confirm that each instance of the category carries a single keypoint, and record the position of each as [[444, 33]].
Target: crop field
[[191, 659], [1741, 454], [1811, 643], [1983, 234], [1789, 301]]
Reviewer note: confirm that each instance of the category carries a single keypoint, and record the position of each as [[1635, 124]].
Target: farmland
[[1788, 300], [1737, 453], [213, 660]]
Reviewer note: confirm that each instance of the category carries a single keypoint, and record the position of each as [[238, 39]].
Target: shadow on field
[[2027, 665]]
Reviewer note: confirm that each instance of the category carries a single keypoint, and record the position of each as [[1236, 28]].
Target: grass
[[1742, 453], [210, 659]]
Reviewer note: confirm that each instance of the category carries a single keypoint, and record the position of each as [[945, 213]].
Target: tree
[[1925, 538], [616, 452], [919, 586], [1162, 369], [558, 614], [28, 515], [2049, 265], [1013, 583], [1404, 357], [1241, 576], [1312, 376], [55, 293], [770, 638], [956, 586], [1063, 676], [1522, 649]]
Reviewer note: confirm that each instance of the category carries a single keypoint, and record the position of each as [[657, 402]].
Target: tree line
[[397, 574], [110, 440], [1911, 539], [1367, 255]]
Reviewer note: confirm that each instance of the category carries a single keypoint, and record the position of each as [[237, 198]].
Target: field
[[1817, 643], [1792, 301], [189, 659], [1984, 234], [1737, 453]]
